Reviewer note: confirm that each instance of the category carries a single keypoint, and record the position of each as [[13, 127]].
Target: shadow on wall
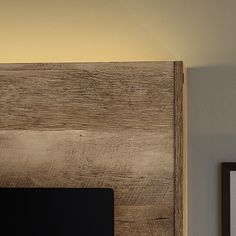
[[212, 140]]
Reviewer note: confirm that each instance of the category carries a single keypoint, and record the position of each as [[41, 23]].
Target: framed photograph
[[229, 199]]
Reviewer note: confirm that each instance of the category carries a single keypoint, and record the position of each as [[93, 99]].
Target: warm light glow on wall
[[46, 31], [117, 30]]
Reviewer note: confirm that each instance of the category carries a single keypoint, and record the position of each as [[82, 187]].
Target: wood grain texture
[[86, 95], [178, 146], [98, 125], [137, 165]]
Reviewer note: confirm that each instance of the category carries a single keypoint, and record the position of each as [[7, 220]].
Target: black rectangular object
[[56, 212]]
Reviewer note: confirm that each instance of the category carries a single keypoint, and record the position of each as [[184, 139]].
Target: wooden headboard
[[117, 125]]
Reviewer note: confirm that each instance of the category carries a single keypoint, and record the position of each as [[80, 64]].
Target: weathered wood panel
[[137, 165], [86, 95], [98, 125]]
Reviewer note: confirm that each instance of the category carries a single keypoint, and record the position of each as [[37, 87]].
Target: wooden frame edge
[[226, 167], [179, 147]]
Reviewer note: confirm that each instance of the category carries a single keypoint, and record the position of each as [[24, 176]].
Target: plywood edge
[[179, 147]]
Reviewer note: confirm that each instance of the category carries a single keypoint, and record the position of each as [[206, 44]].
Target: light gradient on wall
[[58, 31], [198, 32]]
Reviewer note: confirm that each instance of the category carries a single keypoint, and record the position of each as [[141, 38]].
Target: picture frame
[[228, 198]]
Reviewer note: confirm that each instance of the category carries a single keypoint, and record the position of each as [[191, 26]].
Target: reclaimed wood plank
[[137, 165], [115, 125], [86, 95]]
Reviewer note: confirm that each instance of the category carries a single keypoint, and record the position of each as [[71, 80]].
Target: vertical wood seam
[[178, 146]]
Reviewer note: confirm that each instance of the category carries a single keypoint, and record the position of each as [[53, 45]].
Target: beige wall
[[200, 32], [75, 30]]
